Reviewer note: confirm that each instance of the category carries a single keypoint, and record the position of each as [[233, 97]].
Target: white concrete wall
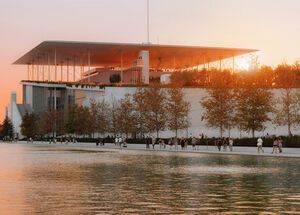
[[15, 117], [29, 94], [194, 96], [16, 120]]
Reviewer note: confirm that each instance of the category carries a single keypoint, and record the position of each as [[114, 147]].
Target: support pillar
[[81, 73], [61, 72], [67, 70], [38, 71], [32, 71], [43, 72], [49, 78], [55, 63], [74, 71], [55, 108], [27, 71], [122, 78], [89, 65]]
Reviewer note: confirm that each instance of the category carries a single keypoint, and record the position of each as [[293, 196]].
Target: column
[[27, 71], [89, 66], [122, 78], [61, 72], [55, 64], [74, 70], [49, 78], [67, 70]]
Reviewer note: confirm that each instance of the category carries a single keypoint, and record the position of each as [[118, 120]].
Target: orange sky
[[268, 25]]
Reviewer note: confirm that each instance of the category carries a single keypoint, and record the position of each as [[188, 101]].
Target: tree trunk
[[221, 131], [253, 133], [289, 130]]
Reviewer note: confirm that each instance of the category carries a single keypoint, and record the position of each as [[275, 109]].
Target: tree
[[70, 123], [125, 116], [113, 117], [29, 125], [253, 108], [46, 121], [79, 121], [141, 110], [99, 112], [288, 109], [156, 115], [177, 109], [7, 128], [219, 103]]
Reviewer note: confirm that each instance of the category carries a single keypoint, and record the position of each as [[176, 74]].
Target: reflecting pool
[[61, 180]]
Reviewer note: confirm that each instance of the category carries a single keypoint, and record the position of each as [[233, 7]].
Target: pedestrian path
[[252, 151]]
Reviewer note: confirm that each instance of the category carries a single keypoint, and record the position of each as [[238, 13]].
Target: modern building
[[15, 112], [61, 73]]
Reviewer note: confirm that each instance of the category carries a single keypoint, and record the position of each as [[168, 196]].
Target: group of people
[[121, 142], [225, 143], [174, 143], [277, 145]]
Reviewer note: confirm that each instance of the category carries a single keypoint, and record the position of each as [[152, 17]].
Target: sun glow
[[242, 64]]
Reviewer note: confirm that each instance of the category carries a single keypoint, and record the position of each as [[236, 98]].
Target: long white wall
[[194, 96]]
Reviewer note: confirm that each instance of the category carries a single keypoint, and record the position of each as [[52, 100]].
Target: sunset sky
[[271, 26]]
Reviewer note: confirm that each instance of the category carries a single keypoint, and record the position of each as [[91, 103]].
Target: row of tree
[[148, 110], [284, 75], [249, 107]]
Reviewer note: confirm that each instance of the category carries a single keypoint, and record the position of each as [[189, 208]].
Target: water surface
[[60, 180]]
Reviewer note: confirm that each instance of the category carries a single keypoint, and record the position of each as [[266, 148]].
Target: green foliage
[[141, 109], [288, 109], [253, 108], [29, 125], [177, 110], [219, 104], [99, 112], [156, 114], [125, 116], [47, 122], [79, 121], [7, 129]]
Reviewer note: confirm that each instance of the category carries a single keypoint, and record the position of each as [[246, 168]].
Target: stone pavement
[[287, 152]]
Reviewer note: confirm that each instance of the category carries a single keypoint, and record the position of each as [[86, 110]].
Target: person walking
[[181, 141], [194, 142], [231, 144], [275, 146], [147, 140], [219, 144], [280, 143], [153, 143], [225, 143], [259, 145]]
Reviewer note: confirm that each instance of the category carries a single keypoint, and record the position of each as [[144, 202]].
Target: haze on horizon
[[268, 25]]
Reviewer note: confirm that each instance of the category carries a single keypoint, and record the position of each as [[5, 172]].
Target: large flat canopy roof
[[110, 54]]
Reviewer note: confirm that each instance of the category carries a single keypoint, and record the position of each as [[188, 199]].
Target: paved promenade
[[252, 151]]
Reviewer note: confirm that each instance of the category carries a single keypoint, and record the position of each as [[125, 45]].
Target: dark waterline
[[52, 180]]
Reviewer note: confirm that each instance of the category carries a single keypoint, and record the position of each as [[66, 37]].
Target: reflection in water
[[35, 179]]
